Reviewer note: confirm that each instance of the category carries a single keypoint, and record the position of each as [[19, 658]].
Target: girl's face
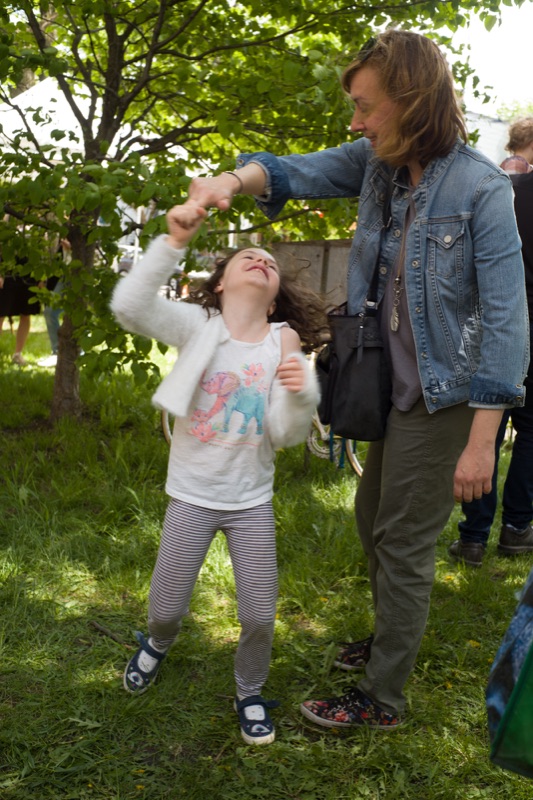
[[374, 110], [251, 268]]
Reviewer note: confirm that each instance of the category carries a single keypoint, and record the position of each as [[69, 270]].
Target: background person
[[516, 533], [52, 312], [450, 265], [520, 145], [17, 300]]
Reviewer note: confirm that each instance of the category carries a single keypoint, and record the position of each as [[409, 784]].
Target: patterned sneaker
[[256, 725], [353, 709], [513, 542], [354, 655], [142, 668]]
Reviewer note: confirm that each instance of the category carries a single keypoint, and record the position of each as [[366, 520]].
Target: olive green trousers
[[402, 504]]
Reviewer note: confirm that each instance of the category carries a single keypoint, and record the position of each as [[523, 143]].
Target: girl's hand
[[183, 222], [292, 375]]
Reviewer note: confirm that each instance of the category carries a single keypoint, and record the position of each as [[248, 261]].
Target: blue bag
[[509, 692]]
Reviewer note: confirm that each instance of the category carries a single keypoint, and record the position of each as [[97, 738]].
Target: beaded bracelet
[[241, 185]]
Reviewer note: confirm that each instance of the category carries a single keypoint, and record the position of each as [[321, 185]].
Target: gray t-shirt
[[400, 344]]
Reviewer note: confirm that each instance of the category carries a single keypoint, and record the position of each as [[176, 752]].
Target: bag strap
[[371, 303]]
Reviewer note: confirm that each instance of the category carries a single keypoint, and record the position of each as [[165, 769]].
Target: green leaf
[[490, 22], [140, 373]]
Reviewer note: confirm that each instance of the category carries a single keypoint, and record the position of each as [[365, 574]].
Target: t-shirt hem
[[218, 506]]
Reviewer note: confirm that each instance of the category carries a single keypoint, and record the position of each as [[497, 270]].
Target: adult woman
[[450, 262], [520, 145]]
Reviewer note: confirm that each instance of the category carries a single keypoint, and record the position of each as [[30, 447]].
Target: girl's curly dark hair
[[296, 303]]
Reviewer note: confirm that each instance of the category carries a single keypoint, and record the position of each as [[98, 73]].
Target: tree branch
[[29, 133]]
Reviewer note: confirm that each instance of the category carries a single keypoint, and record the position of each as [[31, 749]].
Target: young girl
[[240, 388]]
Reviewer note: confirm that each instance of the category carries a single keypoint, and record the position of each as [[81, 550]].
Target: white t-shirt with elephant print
[[221, 455]]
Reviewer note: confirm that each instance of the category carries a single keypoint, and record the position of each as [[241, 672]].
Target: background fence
[[327, 265]]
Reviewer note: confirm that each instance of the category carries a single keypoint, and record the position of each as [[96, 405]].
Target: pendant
[[395, 314]]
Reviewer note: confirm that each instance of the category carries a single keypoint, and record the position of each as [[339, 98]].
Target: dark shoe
[[470, 553], [353, 709], [256, 725], [136, 680], [354, 655], [512, 542]]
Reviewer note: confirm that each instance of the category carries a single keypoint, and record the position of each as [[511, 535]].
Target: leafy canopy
[[157, 92]]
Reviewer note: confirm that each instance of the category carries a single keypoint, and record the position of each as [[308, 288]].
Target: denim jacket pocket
[[446, 246]]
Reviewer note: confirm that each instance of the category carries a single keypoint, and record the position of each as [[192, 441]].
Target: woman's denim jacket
[[463, 265]]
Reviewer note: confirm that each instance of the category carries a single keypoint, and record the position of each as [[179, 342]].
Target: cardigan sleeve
[[139, 307], [290, 413]]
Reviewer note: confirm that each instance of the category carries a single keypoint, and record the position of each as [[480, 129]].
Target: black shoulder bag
[[352, 368]]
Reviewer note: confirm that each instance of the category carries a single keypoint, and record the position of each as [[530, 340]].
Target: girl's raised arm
[[183, 221]]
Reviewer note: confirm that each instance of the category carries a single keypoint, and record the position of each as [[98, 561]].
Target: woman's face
[[374, 110]]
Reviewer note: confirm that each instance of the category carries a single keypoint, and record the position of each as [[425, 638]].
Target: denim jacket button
[[397, 233], [447, 238], [383, 270], [415, 263], [433, 399]]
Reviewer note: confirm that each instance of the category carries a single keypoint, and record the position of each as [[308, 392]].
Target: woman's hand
[[473, 474], [183, 221], [217, 192]]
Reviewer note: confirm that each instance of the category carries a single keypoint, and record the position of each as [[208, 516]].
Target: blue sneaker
[[256, 725], [137, 680]]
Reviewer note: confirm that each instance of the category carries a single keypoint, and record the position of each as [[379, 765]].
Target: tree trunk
[[66, 401]]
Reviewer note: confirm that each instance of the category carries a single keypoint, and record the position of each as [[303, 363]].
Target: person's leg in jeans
[[516, 534], [517, 501], [52, 316]]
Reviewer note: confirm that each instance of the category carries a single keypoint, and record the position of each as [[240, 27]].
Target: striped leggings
[[187, 534]]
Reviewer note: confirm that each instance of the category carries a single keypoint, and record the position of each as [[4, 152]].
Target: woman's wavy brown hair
[[296, 303], [415, 75]]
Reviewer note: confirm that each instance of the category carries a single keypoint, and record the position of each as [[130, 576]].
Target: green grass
[[81, 510]]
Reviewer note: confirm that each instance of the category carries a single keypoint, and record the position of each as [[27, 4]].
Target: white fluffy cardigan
[[140, 308]]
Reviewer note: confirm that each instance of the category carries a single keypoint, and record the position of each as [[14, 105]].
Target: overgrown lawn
[[81, 507]]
